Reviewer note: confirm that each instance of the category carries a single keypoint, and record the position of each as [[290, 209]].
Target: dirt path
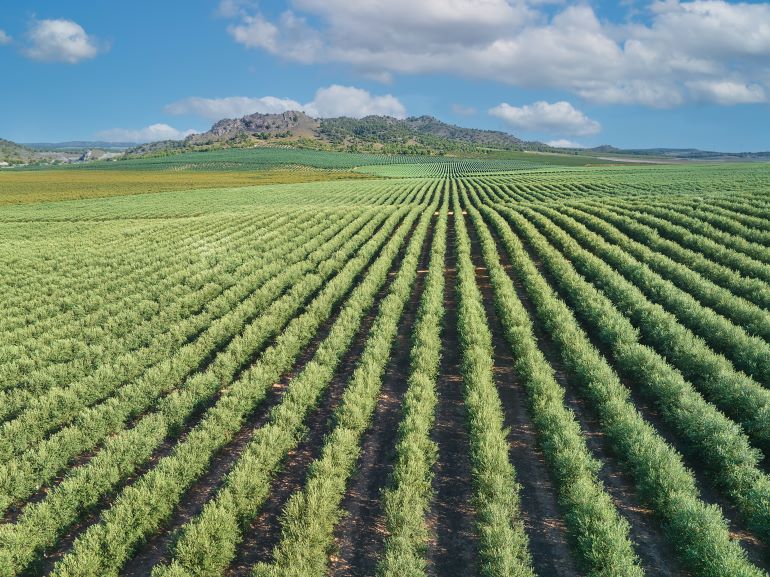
[[359, 535], [453, 551], [548, 540]]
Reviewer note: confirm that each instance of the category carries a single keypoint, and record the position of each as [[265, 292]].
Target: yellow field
[[52, 185]]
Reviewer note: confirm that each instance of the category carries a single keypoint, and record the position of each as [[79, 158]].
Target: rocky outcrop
[[289, 123]]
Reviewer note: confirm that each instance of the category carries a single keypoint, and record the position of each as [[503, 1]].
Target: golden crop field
[[51, 185]]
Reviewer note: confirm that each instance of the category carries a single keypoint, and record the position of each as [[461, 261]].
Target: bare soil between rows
[[654, 548], [360, 535], [453, 548], [548, 540]]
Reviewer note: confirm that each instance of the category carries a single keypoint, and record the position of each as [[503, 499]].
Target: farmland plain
[[297, 363]]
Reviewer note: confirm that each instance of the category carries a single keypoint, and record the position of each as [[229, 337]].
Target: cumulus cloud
[[338, 100], [255, 32], [727, 92], [147, 134], [682, 51], [560, 117], [429, 23], [230, 107], [331, 101], [291, 36], [60, 41], [564, 143], [4, 38]]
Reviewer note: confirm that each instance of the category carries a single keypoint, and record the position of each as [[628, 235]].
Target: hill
[[13, 153], [413, 135], [427, 131]]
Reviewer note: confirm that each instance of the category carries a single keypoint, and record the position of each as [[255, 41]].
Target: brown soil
[[548, 541], [453, 549], [650, 543], [360, 534]]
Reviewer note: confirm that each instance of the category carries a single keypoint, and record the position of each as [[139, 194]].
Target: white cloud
[[230, 107], [291, 37], [255, 32], [147, 134], [564, 143], [710, 27], [334, 100], [338, 100], [560, 117], [686, 51], [427, 23], [726, 92], [60, 41], [4, 38], [381, 76]]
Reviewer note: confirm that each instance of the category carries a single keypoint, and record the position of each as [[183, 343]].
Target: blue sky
[[630, 73]]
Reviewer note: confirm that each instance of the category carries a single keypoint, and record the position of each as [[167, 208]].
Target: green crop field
[[299, 363]]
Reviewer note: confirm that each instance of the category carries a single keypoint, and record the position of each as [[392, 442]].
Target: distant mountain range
[[12, 153], [79, 145], [413, 135], [681, 153]]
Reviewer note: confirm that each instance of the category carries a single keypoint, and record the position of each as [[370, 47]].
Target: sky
[[631, 73]]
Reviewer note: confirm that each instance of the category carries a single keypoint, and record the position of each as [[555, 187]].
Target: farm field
[[296, 363], [233, 168]]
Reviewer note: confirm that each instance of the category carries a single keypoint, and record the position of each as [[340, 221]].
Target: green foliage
[[503, 543], [224, 318], [310, 515], [85, 485], [208, 543], [598, 532], [407, 500], [661, 478], [139, 334]]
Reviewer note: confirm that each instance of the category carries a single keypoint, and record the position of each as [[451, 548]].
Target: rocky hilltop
[[265, 126], [417, 134]]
